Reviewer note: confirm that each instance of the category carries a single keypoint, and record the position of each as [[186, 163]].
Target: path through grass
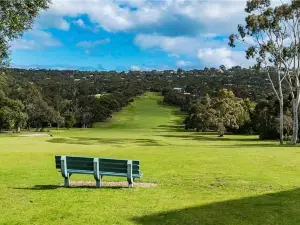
[[201, 179]]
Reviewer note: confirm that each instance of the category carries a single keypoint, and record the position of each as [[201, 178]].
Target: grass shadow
[[41, 187], [258, 145], [247, 142], [198, 137], [268, 209], [97, 141]]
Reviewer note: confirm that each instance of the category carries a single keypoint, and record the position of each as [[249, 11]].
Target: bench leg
[[97, 175], [98, 182], [129, 173], [67, 181], [130, 182]]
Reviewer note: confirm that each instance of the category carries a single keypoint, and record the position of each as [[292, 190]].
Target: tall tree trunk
[[296, 99], [280, 96], [281, 120], [295, 123]]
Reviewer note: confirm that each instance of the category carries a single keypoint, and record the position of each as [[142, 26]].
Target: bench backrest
[[76, 163], [118, 165], [105, 164]]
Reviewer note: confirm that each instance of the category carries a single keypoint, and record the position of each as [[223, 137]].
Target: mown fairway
[[201, 179]]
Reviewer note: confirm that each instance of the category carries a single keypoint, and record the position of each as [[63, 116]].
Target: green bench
[[98, 167]]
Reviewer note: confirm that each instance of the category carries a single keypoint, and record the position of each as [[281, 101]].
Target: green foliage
[[55, 100], [225, 111], [16, 16], [12, 112], [93, 96], [265, 119], [69, 119]]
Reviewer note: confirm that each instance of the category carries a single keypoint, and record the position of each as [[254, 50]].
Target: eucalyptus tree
[[292, 13], [271, 34]]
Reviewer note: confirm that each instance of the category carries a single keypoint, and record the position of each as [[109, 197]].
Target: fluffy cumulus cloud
[[216, 54], [108, 14], [173, 45], [50, 20], [36, 39], [124, 15], [223, 56]]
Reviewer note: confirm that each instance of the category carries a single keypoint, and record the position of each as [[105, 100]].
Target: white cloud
[[201, 21], [50, 20], [214, 55], [214, 16], [24, 44], [218, 56], [80, 23], [182, 63], [218, 16], [63, 25], [118, 15], [173, 45], [146, 67], [90, 44], [135, 68], [37, 39], [223, 56]]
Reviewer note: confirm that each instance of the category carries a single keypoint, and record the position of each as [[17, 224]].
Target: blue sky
[[132, 35]]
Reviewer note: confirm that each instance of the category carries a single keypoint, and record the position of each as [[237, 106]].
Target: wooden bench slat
[[117, 164], [119, 174], [124, 166], [57, 157], [75, 160], [117, 170], [106, 166], [101, 171], [87, 166], [115, 161], [80, 171]]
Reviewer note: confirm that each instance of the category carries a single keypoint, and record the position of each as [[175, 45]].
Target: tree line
[[58, 102], [223, 111], [39, 98]]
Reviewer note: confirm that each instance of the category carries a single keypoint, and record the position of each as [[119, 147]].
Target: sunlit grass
[[201, 179]]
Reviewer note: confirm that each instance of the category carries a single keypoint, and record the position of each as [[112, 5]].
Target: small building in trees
[[180, 90]]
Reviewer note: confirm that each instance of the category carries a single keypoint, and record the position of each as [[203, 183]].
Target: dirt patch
[[35, 135], [110, 184]]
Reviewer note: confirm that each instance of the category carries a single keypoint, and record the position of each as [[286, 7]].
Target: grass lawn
[[201, 179]]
